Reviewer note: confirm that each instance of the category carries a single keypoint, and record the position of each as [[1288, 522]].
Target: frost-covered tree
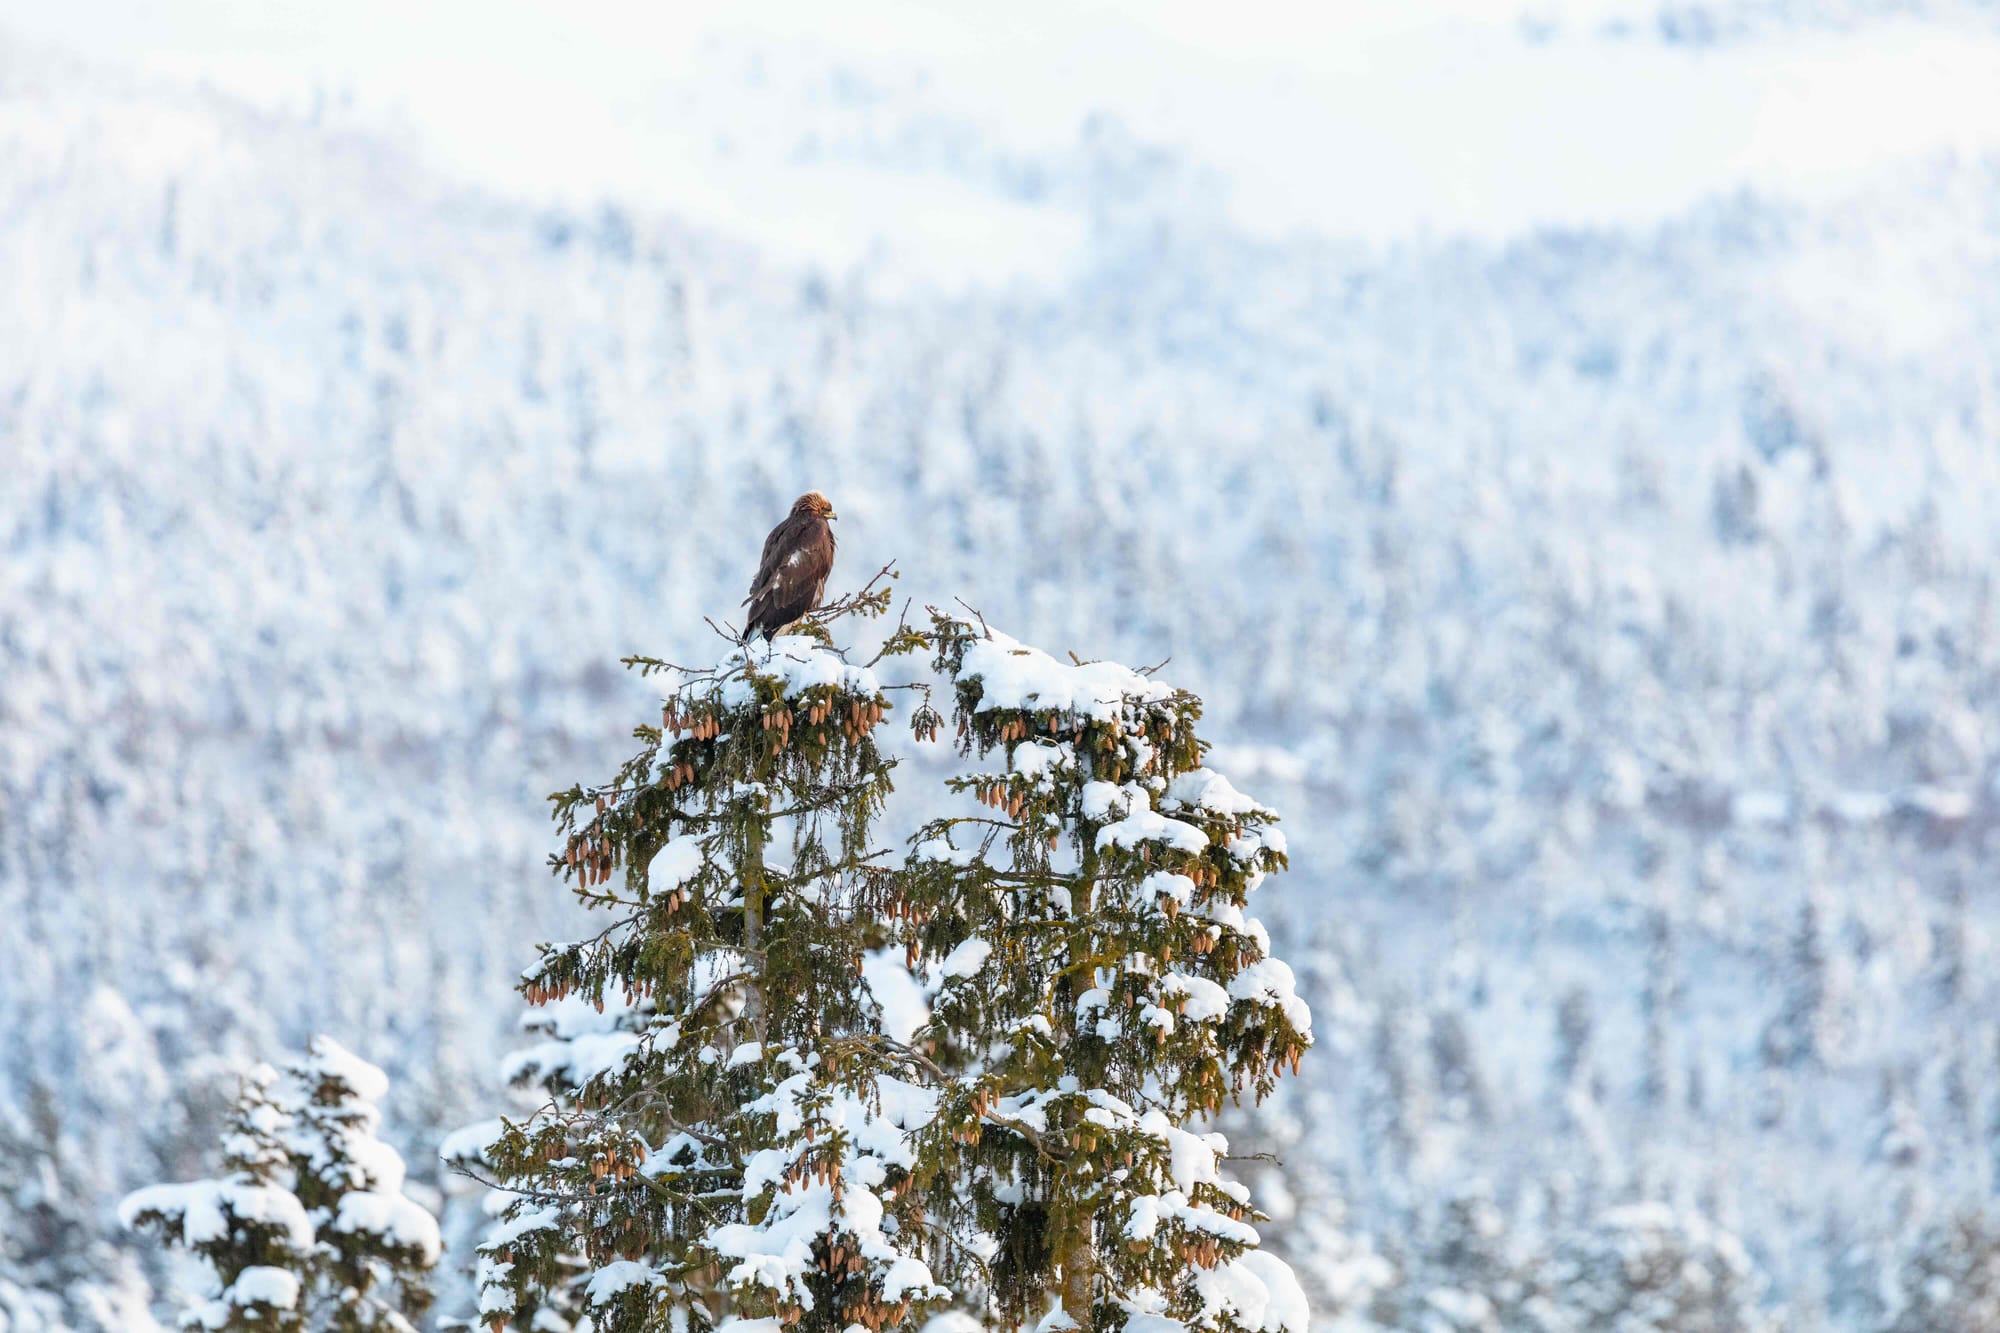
[[1809, 1027], [58, 1272], [1951, 1279], [728, 1136], [1098, 990], [1645, 1268], [1397, 1100], [307, 1230], [1658, 996], [1464, 1278], [1576, 1025]]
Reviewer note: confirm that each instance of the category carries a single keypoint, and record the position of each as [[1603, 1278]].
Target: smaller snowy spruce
[[1097, 988], [307, 1229], [725, 1143]]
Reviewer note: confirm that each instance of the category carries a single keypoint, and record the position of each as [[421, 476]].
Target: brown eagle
[[798, 555]]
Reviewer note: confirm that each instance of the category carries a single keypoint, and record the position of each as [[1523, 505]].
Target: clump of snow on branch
[[799, 663], [1015, 676]]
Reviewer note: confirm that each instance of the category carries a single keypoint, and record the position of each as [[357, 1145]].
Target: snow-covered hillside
[[1609, 610]]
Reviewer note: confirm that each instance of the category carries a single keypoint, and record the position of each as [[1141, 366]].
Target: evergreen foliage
[[741, 1134], [306, 1230], [726, 1133], [1101, 988]]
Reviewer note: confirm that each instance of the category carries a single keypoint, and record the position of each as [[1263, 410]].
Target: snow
[[517, 1224], [1269, 982], [263, 1285], [1037, 761], [965, 960], [616, 1278], [1015, 676], [941, 850], [1760, 807], [907, 1276], [1246, 846], [1432, 102], [896, 992], [675, 864], [468, 1144], [390, 1218], [575, 1061], [1258, 1289], [1205, 789], [1147, 1322], [1102, 800], [204, 1208], [575, 1015], [799, 663], [1142, 824], [1150, 1210], [952, 1321], [1206, 1001], [327, 1058], [1169, 884], [494, 1297], [776, 1252]]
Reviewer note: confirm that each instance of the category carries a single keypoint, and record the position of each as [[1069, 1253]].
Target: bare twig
[[984, 628]]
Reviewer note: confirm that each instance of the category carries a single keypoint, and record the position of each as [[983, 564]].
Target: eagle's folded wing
[[767, 563], [798, 557]]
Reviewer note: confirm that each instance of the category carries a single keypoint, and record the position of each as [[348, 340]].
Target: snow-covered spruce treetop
[[307, 1229], [1098, 987], [734, 1141], [727, 1143]]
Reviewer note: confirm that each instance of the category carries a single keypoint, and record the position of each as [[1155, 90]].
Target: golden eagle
[[798, 555]]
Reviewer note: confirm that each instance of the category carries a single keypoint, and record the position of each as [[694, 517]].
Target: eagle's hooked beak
[[830, 516]]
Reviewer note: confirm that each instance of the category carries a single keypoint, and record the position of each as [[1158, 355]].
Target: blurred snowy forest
[[1610, 610]]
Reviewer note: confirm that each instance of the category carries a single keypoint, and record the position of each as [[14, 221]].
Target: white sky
[[1377, 120]]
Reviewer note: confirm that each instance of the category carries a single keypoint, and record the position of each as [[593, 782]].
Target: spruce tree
[[737, 1136], [1470, 1280], [307, 1229], [1098, 988], [247, 1225], [1951, 1278], [730, 1142], [1645, 1268], [375, 1245], [1807, 1030]]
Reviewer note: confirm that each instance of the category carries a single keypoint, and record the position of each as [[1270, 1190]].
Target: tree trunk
[[753, 932], [1074, 1252], [1075, 1260]]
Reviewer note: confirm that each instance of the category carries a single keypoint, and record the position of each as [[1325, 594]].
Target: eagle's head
[[812, 502]]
